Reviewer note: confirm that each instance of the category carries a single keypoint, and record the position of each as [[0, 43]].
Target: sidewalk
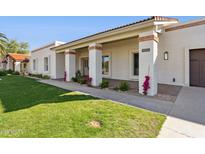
[[160, 106]]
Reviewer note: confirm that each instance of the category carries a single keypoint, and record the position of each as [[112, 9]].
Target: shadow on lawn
[[23, 93]]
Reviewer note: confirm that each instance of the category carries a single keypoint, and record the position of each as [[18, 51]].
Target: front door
[[85, 66], [197, 67]]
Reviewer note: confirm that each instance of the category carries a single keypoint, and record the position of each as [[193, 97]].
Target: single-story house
[[16, 62], [167, 51]]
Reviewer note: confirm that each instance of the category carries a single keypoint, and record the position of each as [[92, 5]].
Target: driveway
[[187, 117]]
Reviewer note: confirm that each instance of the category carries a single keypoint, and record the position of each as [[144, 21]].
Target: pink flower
[[146, 85]]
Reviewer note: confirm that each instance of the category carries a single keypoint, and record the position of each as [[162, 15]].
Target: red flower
[[146, 85]]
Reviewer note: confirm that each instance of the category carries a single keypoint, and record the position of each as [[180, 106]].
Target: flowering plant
[[146, 85], [65, 76], [88, 80]]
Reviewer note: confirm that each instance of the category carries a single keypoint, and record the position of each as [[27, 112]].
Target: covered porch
[[130, 59], [125, 53]]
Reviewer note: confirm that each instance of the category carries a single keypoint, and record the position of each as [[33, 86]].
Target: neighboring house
[[47, 62], [16, 62], [160, 47], [1, 64]]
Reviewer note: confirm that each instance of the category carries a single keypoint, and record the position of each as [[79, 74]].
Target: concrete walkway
[[163, 107], [187, 118]]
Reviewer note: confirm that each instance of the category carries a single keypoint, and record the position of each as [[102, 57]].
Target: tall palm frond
[[3, 42]]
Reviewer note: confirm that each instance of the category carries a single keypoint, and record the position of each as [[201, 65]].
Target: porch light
[[166, 55]]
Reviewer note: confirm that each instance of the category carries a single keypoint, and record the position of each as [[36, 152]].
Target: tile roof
[[18, 57], [154, 18]]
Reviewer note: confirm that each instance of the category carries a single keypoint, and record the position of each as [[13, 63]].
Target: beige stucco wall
[[178, 43], [39, 57], [1, 66], [9, 64], [60, 65], [120, 53], [56, 62]]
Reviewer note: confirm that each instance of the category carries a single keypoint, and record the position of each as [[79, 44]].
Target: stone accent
[[95, 47], [148, 38]]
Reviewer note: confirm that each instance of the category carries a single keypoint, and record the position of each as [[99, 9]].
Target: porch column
[[17, 66], [95, 63], [148, 52], [70, 64]]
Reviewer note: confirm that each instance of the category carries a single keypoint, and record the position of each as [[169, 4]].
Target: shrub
[[3, 73], [9, 71], [124, 86], [37, 75], [74, 79], [116, 88], [82, 80], [104, 84], [16, 73], [78, 76], [45, 77]]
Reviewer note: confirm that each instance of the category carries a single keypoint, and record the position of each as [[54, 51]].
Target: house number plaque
[[146, 50]]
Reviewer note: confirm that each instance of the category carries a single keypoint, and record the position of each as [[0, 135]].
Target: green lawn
[[32, 109]]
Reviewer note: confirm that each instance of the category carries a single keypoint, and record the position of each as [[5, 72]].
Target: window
[[46, 64], [105, 65], [136, 64], [34, 64], [24, 65]]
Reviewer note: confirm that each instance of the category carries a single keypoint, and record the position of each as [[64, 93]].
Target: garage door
[[197, 67]]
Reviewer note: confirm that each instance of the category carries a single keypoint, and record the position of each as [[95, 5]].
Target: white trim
[[79, 63], [46, 72], [187, 62], [34, 66], [131, 73], [110, 62], [56, 43], [49, 64], [185, 23]]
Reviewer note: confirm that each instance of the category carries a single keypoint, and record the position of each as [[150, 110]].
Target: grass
[[32, 109]]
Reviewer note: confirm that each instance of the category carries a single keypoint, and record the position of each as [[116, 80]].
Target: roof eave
[[56, 43], [105, 34]]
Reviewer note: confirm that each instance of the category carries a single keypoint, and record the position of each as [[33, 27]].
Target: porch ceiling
[[106, 39]]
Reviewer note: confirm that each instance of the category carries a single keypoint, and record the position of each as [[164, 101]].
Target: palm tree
[[3, 42]]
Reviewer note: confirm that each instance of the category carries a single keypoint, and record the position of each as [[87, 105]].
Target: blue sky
[[42, 30]]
